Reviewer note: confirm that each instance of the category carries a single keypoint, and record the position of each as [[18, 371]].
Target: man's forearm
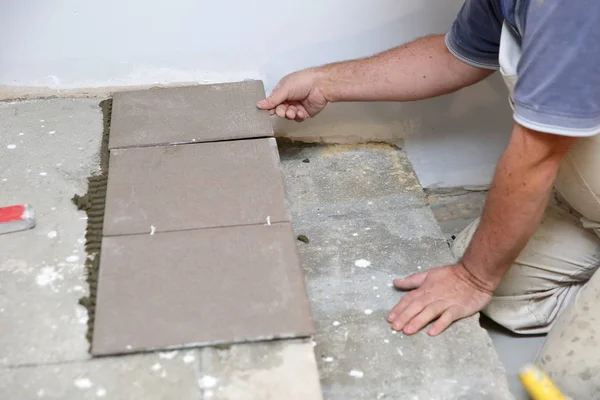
[[516, 202], [418, 70]]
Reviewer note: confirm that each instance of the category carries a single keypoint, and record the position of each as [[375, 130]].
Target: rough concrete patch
[[368, 222], [275, 370], [454, 209], [93, 203], [348, 174]]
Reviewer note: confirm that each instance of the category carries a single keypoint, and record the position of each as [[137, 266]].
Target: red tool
[[16, 218]]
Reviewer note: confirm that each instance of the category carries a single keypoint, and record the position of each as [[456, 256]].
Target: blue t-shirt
[[558, 85]]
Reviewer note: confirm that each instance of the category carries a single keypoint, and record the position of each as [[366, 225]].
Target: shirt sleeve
[[558, 89], [475, 34]]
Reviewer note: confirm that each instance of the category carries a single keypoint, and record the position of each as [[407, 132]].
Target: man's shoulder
[[559, 71], [475, 34]]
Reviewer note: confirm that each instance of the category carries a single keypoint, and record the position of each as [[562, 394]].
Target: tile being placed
[[170, 188], [205, 286], [201, 113]]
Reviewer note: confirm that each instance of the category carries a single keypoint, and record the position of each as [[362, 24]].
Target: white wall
[[66, 44]]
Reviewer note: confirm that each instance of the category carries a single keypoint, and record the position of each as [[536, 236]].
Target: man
[[526, 259]]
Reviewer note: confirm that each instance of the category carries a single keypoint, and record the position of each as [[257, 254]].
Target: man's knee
[[460, 244], [560, 257], [571, 353]]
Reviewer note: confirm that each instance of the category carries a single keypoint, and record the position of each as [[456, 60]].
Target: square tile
[[198, 287], [201, 113], [170, 188]]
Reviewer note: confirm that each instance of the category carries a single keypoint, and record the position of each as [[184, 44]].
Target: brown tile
[[194, 186], [189, 114], [199, 287]]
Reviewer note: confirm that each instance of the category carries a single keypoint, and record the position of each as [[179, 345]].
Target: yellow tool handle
[[538, 385]]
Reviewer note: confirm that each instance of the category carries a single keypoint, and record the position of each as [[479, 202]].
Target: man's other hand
[[297, 96], [444, 294]]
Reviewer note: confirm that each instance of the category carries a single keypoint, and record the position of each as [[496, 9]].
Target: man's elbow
[[541, 147]]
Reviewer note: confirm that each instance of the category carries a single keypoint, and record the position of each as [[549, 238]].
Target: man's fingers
[[291, 112], [444, 321], [406, 315], [431, 312], [281, 110], [301, 114], [402, 304], [278, 96], [410, 282]]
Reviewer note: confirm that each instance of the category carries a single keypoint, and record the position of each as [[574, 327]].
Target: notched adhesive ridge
[[93, 203]]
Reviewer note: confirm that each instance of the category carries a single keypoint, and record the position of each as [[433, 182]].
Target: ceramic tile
[[169, 188], [206, 286], [188, 114]]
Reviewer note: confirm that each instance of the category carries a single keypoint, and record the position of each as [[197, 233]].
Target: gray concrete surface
[[454, 209], [55, 149], [47, 151], [150, 376], [366, 220]]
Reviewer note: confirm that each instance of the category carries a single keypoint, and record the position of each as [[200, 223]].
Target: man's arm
[[516, 201], [418, 70], [550, 98]]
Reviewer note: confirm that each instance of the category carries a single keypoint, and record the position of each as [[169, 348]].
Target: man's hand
[[516, 201], [445, 293], [297, 96], [414, 71]]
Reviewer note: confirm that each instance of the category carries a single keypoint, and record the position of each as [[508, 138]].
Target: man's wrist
[[324, 82], [479, 278]]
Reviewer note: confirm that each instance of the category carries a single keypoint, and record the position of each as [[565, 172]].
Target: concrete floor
[[366, 219], [454, 210]]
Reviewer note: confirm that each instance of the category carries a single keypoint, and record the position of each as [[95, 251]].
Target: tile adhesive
[[93, 203]]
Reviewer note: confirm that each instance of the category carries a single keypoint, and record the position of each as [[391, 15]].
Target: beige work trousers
[[548, 289]]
